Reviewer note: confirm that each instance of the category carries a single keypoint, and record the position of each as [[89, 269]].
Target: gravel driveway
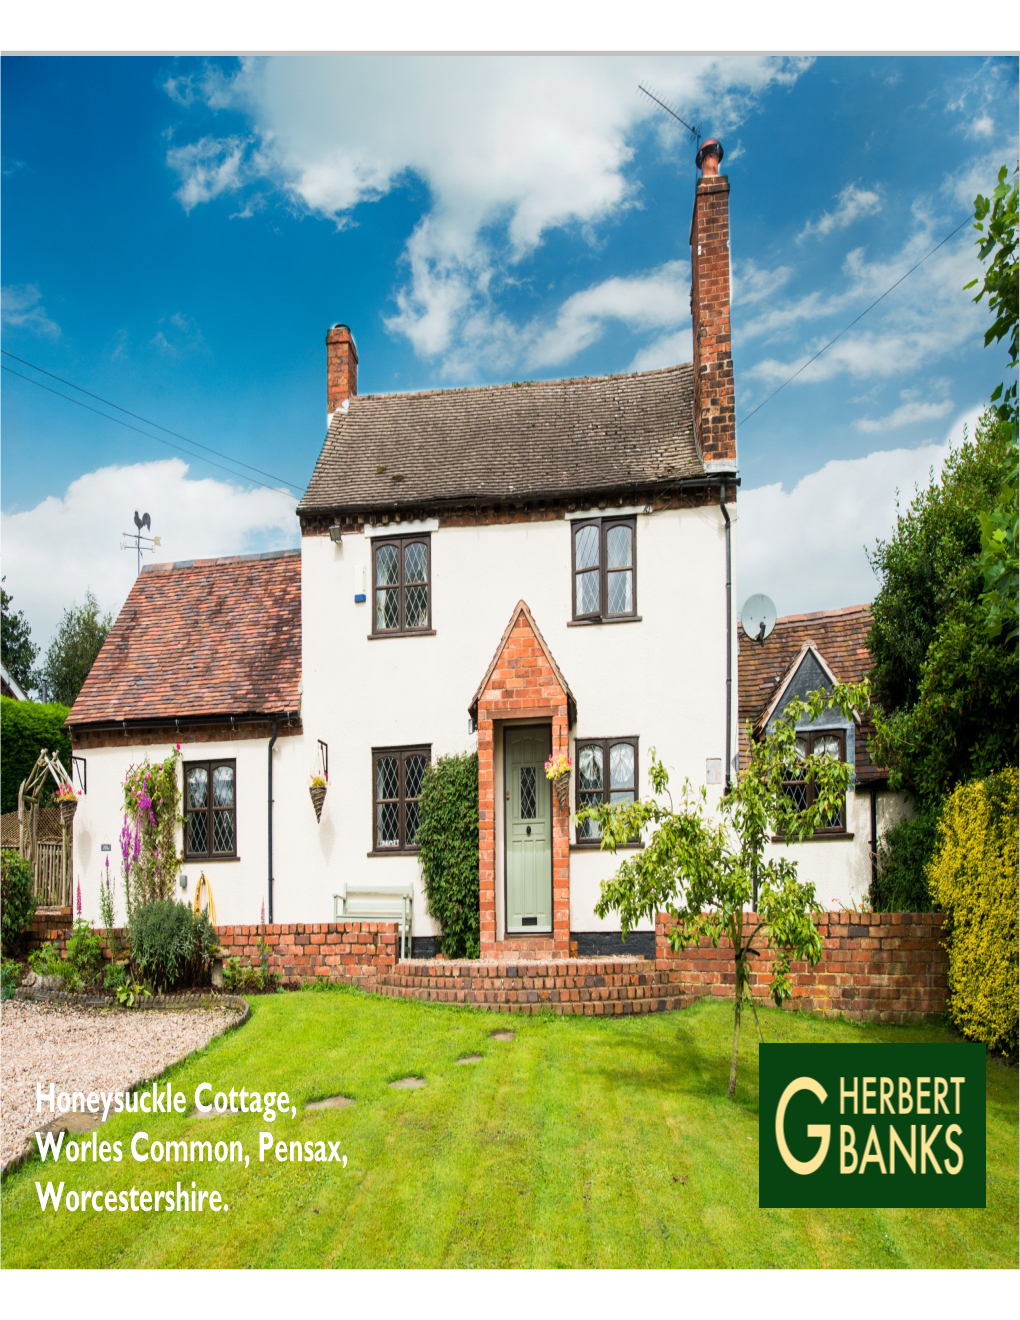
[[82, 1049]]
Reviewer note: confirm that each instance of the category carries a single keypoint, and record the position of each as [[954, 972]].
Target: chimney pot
[[710, 153]]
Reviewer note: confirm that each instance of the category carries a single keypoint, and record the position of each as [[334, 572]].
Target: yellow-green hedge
[[973, 878]]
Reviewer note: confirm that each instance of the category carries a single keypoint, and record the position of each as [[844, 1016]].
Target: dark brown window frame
[[401, 542], [810, 735], [402, 753], [605, 744], [605, 525], [209, 811]]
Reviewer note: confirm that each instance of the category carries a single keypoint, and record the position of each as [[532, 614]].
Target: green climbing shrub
[[904, 852], [17, 899], [448, 840]]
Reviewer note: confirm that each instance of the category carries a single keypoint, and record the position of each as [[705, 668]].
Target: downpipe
[[729, 630], [272, 741]]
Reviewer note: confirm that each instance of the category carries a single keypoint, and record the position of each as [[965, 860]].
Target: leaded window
[[402, 585], [397, 774], [210, 809], [605, 568], [606, 772], [828, 743]]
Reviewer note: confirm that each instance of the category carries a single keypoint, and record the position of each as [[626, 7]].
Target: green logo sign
[[871, 1125]]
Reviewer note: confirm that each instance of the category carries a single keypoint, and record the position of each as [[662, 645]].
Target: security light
[[335, 533]]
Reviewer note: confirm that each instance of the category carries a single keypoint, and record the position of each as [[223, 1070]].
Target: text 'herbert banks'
[[155, 1100]]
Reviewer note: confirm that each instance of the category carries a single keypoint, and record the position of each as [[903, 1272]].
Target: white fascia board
[[616, 511], [394, 528]]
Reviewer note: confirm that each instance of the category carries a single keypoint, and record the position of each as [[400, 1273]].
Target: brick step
[[545, 1001]]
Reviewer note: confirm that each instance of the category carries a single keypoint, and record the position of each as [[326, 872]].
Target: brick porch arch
[[523, 682]]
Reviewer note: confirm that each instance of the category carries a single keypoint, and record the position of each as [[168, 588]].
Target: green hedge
[[974, 879], [17, 899], [448, 839], [25, 728], [904, 853]]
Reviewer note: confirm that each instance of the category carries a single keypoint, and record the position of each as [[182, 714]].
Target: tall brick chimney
[[341, 368], [714, 420]]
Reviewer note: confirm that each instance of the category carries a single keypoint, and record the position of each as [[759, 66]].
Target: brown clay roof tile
[[205, 637], [530, 440]]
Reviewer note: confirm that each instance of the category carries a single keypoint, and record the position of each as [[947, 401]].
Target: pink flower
[[79, 898], [262, 918]]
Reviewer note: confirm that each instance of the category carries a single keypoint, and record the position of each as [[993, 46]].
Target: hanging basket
[[68, 806], [562, 786], [317, 793]]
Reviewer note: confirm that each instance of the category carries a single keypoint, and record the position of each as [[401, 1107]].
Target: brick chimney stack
[[714, 419], [341, 368]]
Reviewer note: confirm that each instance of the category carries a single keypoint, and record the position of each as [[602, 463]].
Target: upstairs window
[[397, 774], [210, 810], [605, 569], [826, 742], [606, 772], [401, 582]]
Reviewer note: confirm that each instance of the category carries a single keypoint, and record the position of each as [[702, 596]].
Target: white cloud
[[806, 547], [851, 204], [67, 545], [21, 308], [510, 148], [913, 409], [207, 168]]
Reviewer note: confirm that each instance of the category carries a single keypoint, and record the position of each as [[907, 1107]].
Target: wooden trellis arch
[[48, 766]]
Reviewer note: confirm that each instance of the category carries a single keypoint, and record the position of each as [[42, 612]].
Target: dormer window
[[826, 742], [605, 569]]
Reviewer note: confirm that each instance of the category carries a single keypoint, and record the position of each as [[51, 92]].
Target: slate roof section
[[508, 443], [840, 637], [201, 638]]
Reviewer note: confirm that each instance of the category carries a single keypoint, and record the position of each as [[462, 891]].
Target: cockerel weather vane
[[136, 541]]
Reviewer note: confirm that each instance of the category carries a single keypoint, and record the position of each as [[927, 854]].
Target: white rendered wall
[[239, 886], [661, 679], [840, 868]]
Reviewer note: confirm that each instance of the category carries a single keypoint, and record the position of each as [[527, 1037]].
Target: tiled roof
[[502, 443], [205, 637], [840, 637]]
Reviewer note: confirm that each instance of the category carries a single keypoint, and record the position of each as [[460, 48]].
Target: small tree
[[17, 649], [705, 871], [73, 651]]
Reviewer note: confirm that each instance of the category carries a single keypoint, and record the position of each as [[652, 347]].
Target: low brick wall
[[53, 927], [876, 966], [354, 952]]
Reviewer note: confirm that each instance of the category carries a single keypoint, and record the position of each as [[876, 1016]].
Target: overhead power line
[[127, 412], [855, 320]]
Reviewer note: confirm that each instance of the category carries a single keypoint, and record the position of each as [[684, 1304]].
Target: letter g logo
[[820, 1130]]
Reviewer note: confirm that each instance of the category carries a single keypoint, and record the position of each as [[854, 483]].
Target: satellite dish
[[758, 618]]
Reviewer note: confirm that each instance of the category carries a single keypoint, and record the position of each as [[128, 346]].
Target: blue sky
[[178, 234]]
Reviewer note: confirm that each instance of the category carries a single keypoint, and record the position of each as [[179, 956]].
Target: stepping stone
[[468, 1058], [407, 1084], [331, 1102], [503, 1035]]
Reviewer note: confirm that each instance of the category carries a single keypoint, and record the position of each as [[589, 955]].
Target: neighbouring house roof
[[838, 639], [519, 609], [9, 685], [531, 440], [200, 639]]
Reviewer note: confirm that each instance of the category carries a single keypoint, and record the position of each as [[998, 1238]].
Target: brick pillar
[[714, 419], [341, 367], [561, 843], [486, 836]]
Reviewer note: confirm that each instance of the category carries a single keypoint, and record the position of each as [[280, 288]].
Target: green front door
[[528, 830]]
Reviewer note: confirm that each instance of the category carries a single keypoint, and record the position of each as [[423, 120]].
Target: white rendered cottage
[[527, 568]]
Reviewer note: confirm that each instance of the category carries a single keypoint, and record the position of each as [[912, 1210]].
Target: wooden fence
[[53, 886]]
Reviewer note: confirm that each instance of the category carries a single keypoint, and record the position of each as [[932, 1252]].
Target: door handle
[[529, 829]]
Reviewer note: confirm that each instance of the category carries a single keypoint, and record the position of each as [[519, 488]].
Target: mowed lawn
[[581, 1142]]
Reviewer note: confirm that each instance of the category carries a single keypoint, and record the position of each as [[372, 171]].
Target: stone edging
[[167, 1002]]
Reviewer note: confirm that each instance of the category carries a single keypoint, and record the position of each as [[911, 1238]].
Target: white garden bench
[[377, 903]]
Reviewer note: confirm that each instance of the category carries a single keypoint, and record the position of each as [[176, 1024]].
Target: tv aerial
[[136, 541], [693, 129], [758, 618]]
